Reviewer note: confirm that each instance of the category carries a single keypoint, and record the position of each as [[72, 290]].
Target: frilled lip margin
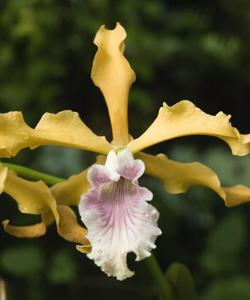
[[116, 213]]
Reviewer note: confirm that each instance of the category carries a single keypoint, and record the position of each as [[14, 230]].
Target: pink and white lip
[[116, 213]]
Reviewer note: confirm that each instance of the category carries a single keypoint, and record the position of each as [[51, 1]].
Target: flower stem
[[163, 286], [2, 290], [32, 174], [161, 282]]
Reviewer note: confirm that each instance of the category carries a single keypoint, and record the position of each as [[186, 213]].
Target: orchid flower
[[113, 206]]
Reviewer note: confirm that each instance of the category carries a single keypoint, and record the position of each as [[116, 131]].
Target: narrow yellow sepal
[[112, 73]]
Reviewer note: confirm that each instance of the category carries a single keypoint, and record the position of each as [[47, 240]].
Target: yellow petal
[[47, 218], [67, 129], [183, 119], [69, 192], [179, 177], [246, 138], [63, 129], [68, 227], [31, 197], [14, 133], [3, 176], [37, 198], [112, 73], [237, 195], [83, 248], [24, 231]]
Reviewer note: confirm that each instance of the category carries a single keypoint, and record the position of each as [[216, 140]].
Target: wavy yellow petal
[[68, 227], [237, 195], [69, 192], [246, 138], [112, 73], [14, 133], [183, 119], [84, 248], [67, 129], [179, 177], [3, 176], [31, 197], [37, 198], [31, 231], [63, 129], [48, 218]]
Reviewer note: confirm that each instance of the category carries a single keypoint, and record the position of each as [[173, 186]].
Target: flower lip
[[116, 213]]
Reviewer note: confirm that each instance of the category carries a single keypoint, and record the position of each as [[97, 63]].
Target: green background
[[196, 50]]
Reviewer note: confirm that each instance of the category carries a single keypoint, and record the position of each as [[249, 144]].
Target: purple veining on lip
[[116, 213]]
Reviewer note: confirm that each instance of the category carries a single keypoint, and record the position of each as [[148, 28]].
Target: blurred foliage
[[179, 49], [63, 268], [221, 256], [182, 282], [23, 260], [230, 289]]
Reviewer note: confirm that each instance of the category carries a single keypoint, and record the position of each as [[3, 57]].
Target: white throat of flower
[[116, 213]]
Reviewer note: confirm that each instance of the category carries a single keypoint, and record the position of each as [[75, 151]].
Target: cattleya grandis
[[113, 206]]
